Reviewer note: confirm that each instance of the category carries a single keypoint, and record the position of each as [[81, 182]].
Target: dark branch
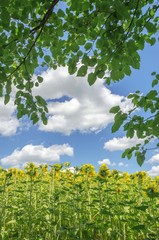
[[40, 26], [45, 18]]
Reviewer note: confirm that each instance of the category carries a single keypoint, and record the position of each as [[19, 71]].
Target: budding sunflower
[[31, 170], [104, 172], [88, 169]]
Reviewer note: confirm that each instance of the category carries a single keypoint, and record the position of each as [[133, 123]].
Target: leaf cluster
[[102, 35]]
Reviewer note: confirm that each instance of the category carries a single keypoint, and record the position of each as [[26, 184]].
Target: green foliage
[[146, 128], [106, 31], [103, 35]]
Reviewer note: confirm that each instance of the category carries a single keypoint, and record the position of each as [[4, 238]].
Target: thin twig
[[45, 18], [40, 26]]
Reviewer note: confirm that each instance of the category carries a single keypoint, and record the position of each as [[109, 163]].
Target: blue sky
[[79, 124]]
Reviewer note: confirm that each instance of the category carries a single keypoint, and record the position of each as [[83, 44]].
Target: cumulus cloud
[[154, 159], [154, 171], [74, 105], [106, 161], [8, 121], [121, 164], [38, 154], [118, 144]]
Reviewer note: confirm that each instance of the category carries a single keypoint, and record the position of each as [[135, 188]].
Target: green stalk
[[79, 206], [30, 207], [89, 199], [53, 229], [154, 217], [2, 212]]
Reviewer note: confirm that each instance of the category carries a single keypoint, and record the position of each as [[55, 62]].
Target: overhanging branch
[[38, 27], [45, 18]]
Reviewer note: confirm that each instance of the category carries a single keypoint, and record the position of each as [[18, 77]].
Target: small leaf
[[88, 46], [142, 208], [61, 13], [44, 118], [116, 127], [153, 73], [91, 78], [138, 227], [72, 68], [6, 99], [150, 27], [82, 71], [40, 79], [119, 119], [130, 133], [34, 117], [47, 58], [140, 157], [154, 82], [152, 94], [40, 101], [114, 109]]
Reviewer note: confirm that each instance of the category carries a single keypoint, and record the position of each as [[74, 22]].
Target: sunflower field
[[58, 203]]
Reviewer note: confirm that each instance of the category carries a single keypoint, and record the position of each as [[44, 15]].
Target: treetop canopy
[[105, 36]]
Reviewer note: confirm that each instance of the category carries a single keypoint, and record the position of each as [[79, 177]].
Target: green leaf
[[153, 73], [1, 90], [61, 13], [150, 27], [72, 68], [152, 41], [128, 153], [92, 61], [8, 87], [114, 109], [88, 46], [47, 58], [82, 71], [154, 82], [91, 78], [40, 79], [138, 227], [74, 47], [142, 208], [140, 157], [152, 94], [4, 3], [40, 101], [130, 132], [116, 126], [119, 119], [44, 118], [34, 117], [6, 99]]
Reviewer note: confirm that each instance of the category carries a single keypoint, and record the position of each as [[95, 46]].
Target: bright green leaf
[[82, 71]]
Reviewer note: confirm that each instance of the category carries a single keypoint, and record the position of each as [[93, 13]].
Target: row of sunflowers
[[62, 203]]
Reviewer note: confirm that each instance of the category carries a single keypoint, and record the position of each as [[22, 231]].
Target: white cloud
[[8, 121], [38, 154], [154, 171], [106, 161], [71, 169], [121, 164], [154, 159], [117, 144], [85, 108]]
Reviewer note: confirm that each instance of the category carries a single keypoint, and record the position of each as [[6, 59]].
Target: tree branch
[[40, 26], [45, 18]]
